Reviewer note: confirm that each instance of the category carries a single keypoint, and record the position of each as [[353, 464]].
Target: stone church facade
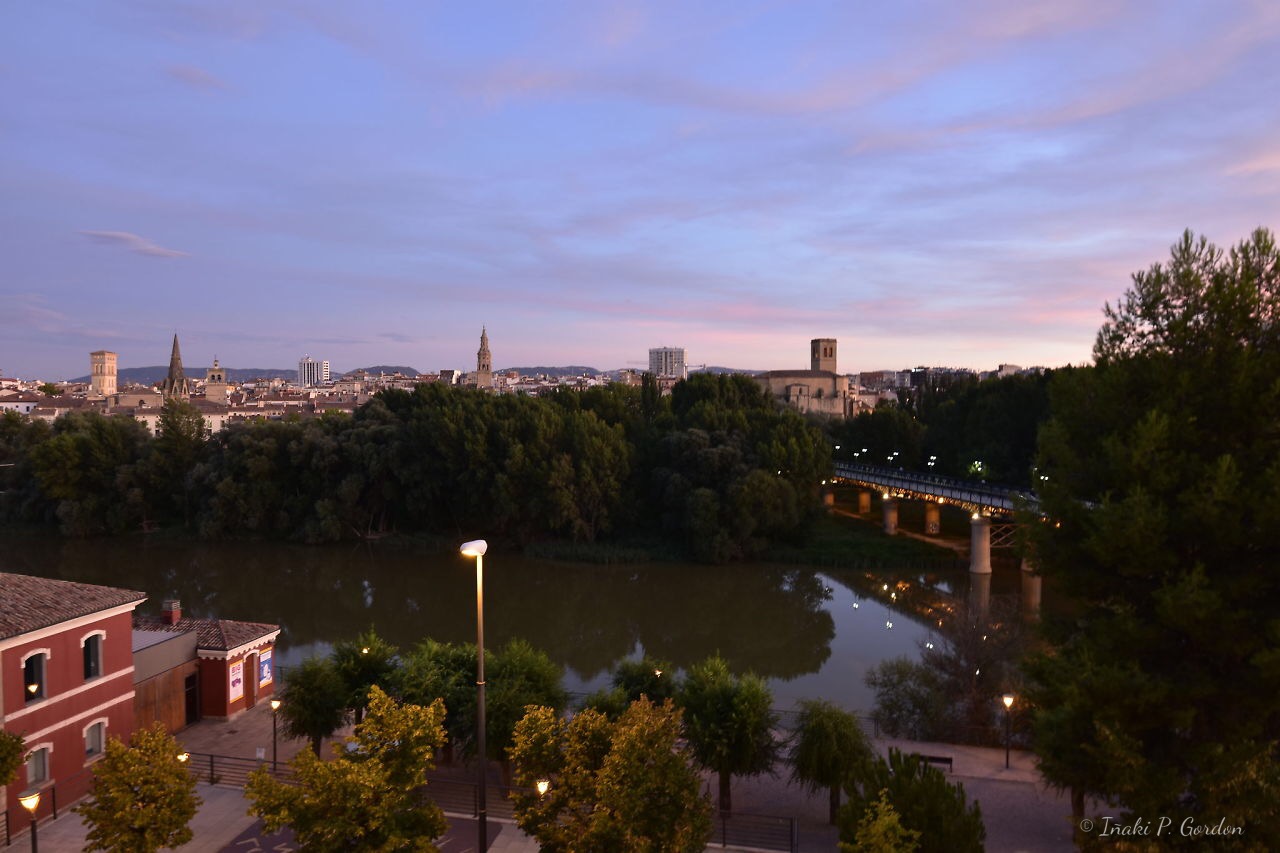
[[819, 390]]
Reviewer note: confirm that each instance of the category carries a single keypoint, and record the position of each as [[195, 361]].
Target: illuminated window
[[33, 677]]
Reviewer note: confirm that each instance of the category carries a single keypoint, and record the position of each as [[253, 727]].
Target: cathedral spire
[[484, 361], [175, 384]]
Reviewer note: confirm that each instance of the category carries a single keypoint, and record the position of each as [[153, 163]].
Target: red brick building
[[188, 668], [66, 677]]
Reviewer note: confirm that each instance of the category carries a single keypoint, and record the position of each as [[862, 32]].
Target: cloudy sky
[[929, 182]]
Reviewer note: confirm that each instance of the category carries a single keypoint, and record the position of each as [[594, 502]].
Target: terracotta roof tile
[[218, 635], [29, 603]]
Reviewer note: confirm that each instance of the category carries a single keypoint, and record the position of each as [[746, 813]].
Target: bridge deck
[[976, 497]]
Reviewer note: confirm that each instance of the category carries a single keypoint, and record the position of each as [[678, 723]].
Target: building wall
[[71, 703], [102, 372], [668, 362], [163, 697]]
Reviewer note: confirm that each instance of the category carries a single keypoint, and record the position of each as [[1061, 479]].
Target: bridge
[[982, 500]]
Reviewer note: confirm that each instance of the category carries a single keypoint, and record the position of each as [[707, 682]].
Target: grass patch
[[836, 540]]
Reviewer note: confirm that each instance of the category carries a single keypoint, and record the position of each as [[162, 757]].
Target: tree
[[181, 434], [447, 671], [143, 797], [11, 751], [518, 676], [371, 796], [881, 831], [924, 801], [1163, 460], [612, 786], [49, 389], [645, 677], [729, 722], [826, 749], [313, 702], [361, 663]]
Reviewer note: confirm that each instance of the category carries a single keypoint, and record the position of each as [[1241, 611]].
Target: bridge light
[[928, 645], [889, 625]]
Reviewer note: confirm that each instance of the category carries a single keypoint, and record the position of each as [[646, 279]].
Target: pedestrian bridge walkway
[[982, 498]]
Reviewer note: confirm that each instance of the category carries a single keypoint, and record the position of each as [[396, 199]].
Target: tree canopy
[[622, 785], [729, 722], [369, 797], [1163, 461], [143, 796]]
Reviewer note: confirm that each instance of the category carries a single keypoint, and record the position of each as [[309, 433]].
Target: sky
[[931, 183]]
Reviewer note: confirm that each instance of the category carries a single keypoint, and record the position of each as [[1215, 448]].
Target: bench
[[937, 759]]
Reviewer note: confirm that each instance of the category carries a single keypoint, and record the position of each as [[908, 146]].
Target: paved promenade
[[1020, 814]]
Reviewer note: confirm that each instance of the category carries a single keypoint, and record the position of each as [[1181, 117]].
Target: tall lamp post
[[31, 802], [476, 548], [275, 706], [1008, 708]]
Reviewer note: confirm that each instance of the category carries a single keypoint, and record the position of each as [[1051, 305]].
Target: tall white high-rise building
[[668, 362], [311, 372]]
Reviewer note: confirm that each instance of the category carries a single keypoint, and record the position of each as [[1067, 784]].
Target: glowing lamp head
[[30, 802], [474, 548], [1007, 699], [183, 756], [543, 786], [275, 704]]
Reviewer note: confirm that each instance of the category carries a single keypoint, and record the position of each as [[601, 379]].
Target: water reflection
[[796, 627]]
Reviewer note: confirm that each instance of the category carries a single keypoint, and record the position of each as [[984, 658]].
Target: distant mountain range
[[155, 375]]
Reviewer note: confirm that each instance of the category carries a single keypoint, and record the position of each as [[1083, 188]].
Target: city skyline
[[928, 184]]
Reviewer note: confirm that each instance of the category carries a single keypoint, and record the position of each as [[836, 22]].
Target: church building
[[818, 390]]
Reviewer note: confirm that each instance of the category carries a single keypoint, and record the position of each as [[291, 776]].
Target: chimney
[[171, 611]]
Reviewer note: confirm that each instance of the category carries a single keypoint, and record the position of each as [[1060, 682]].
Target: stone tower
[[215, 383], [484, 361], [175, 384], [822, 354], [102, 373]]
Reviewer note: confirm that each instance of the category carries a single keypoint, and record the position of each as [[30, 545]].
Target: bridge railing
[[951, 488]]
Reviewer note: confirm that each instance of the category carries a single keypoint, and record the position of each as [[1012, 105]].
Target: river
[[811, 633]]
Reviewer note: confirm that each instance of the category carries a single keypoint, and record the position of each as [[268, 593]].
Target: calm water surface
[[798, 627]]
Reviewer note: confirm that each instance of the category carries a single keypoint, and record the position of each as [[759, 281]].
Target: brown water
[[797, 627]]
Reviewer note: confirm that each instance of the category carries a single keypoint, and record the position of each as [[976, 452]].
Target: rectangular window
[[94, 738], [92, 656], [33, 677], [38, 767]]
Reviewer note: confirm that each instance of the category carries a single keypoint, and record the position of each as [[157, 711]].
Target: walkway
[[1020, 815]]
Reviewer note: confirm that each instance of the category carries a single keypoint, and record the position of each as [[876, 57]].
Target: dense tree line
[[994, 423], [716, 467], [1164, 462]]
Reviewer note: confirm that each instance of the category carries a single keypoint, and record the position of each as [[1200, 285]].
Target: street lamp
[[1008, 706], [476, 548], [31, 802], [275, 706]]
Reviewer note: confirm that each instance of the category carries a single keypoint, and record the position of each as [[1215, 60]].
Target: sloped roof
[[29, 603], [215, 635]]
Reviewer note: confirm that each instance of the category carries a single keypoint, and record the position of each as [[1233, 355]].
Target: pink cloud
[[133, 243]]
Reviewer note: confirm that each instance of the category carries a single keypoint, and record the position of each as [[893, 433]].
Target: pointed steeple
[[175, 384]]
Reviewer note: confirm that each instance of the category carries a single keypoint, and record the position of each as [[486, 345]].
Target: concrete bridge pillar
[[979, 596], [980, 545], [932, 519], [864, 502], [1030, 590], [891, 516]]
